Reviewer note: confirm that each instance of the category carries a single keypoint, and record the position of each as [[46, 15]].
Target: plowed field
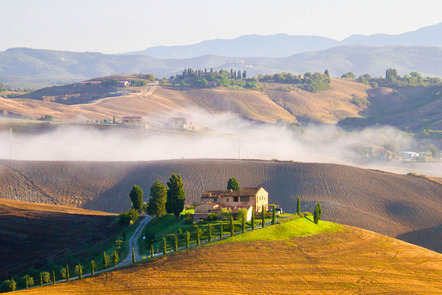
[[354, 261], [31, 234]]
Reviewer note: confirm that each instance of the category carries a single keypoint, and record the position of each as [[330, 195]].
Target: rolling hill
[[348, 261], [34, 233], [412, 109], [387, 203], [34, 68]]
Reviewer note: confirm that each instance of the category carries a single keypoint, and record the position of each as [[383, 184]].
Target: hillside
[[33, 233], [349, 261], [387, 203], [408, 108], [35, 68]]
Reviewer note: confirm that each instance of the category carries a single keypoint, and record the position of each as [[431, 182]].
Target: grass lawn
[[297, 228]]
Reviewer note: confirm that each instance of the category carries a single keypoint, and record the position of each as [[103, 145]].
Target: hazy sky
[[115, 26]]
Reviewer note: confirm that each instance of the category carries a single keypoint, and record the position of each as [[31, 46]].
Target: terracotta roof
[[246, 191]]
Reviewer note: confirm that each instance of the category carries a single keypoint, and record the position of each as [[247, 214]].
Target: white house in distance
[[247, 198]]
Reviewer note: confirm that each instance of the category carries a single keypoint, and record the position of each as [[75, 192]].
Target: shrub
[[212, 216], [188, 219]]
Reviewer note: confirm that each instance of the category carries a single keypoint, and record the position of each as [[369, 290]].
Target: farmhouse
[[131, 120], [245, 198]]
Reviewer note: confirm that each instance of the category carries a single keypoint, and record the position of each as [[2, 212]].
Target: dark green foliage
[[129, 217], [212, 216], [392, 79], [124, 235], [176, 243], [263, 216], [164, 246], [67, 273], [233, 184], [53, 277], [26, 282], [106, 260], [46, 277], [298, 206], [151, 251], [175, 195], [138, 83], [232, 229], [158, 197], [133, 256], [93, 265], [221, 231], [243, 225], [253, 218], [274, 215], [115, 258], [187, 239], [348, 75], [8, 286], [317, 213], [136, 196], [41, 280], [210, 232]]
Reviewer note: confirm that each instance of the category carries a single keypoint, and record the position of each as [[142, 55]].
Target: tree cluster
[[392, 79]]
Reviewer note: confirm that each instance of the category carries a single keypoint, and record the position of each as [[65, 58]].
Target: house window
[[227, 200], [235, 199], [245, 199]]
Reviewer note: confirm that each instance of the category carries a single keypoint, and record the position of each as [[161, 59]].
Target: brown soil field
[[355, 261], [47, 232], [386, 203]]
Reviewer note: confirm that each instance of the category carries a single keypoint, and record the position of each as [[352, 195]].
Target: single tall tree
[[115, 258], [164, 246], [175, 243], [79, 271], [175, 195], [67, 273], [298, 206], [221, 231], [27, 281], [133, 256], [106, 260], [316, 214], [243, 224], [136, 196], [158, 197], [187, 239], [274, 214], [53, 277], [93, 265], [232, 229], [233, 184], [210, 232], [319, 211], [263, 216], [198, 237], [253, 218], [41, 279]]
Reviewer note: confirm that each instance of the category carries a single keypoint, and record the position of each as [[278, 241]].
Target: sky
[[115, 26]]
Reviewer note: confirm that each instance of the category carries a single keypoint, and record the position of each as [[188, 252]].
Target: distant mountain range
[[419, 51], [283, 45]]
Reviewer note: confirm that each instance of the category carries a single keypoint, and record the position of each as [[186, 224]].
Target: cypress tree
[[197, 235], [67, 273], [133, 256], [274, 215], [41, 279], [79, 270], [175, 195], [232, 230], [253, 218], [316, 214], [26, 280], [115, 258], [319, 211], [136, 196], [176, 243], [53, 277], [243, 224], [263, 217], [298, 206], [221, 233], [93, 267], [210, 232], [187, 239], [105, 260], [151, 251], [164, 246]]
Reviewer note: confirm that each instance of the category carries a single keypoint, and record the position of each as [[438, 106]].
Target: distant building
[[245, 198], [427, 155], [408, 155], [181, 123], [124, 83], [132, 120]]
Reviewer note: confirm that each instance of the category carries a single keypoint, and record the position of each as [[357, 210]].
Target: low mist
[[223, 136]]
